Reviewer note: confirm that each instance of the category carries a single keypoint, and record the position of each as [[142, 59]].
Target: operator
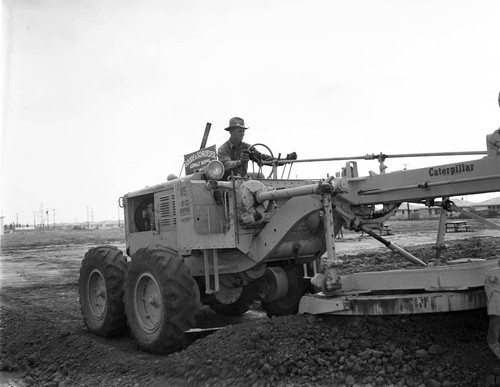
[[492, 289], [234, 154]]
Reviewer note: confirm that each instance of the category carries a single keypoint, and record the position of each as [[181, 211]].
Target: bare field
[[49, 257]]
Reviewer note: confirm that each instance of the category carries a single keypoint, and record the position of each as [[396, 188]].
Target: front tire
[[101, 291], [161, 299]]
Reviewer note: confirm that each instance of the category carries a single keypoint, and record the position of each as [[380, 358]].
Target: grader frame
[[198, 239]]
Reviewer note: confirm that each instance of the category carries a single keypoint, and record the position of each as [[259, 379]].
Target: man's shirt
[[230, 156]]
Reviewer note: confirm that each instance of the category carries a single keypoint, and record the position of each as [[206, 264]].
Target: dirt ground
[[44, 341]]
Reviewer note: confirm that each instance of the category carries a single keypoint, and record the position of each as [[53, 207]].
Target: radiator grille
[[167, 211]]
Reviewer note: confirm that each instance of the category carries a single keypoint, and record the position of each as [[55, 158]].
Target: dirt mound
[[294, 350]]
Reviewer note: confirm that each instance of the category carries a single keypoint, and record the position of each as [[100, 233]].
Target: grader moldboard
[[199, 240]]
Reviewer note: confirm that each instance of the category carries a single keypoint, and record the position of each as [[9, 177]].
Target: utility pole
[[54, 218], [48, 222], [34, 220], [407, 203], [88, 222], [42, 217]]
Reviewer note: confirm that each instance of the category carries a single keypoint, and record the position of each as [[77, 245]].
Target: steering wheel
[[259, 161]]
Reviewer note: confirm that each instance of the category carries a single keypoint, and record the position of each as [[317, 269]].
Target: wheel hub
[[97, 295], [148, 302]]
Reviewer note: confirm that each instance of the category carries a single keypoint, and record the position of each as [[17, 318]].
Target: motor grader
[[199, 240]]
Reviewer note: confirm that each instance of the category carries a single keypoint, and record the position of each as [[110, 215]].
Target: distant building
[[414, 211], [109, 224], [488, 208], [101, 225], [24, 228]]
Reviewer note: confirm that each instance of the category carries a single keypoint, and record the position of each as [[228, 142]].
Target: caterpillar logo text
[[458, 168]]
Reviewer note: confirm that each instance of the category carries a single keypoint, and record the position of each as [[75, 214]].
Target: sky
[[104, 97]]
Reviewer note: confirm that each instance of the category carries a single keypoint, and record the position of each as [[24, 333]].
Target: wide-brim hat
[[236, 122]]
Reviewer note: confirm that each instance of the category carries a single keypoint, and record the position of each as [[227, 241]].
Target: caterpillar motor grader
[[199, 240]]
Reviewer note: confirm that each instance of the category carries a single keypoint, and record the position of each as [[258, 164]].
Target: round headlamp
[[214, 170]]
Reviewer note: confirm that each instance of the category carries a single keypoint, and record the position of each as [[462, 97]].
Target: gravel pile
[[326, 351], [425, 350]]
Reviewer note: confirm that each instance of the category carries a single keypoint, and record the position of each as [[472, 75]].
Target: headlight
[[214, 170]]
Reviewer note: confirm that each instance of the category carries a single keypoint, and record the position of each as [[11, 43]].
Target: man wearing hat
[[234, 153], [492, 289]]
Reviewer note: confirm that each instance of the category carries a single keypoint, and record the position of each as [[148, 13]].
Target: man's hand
[[252, 156], [245, 156]]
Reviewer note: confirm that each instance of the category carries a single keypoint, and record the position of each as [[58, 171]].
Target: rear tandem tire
[[161, 299], [101, 291]]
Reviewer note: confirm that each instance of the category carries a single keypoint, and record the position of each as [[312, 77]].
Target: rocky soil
[[44, 342]]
